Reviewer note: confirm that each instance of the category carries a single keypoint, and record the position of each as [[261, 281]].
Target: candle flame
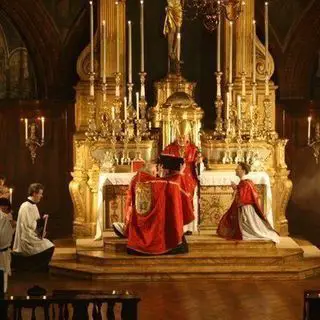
[[231, 23], [129, 22], [254, 21], [141, 1], [90, 2], [116, 3], [104, 22], [266, 3], [309, 118]]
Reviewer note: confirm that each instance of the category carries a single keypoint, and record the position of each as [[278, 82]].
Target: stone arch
[[41, 38]]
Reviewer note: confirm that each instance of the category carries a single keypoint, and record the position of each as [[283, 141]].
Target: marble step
[[219, 257], [80, 270], [208, 243]]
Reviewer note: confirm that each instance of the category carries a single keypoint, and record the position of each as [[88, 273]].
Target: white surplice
[[6, 233], [252, 226], [26, 240]]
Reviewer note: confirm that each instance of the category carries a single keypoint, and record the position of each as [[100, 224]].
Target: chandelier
[[210, 11]]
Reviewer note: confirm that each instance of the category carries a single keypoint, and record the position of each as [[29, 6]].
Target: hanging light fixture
[[209, 11]]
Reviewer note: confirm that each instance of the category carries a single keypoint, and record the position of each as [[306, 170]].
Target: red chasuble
[[246, 194], [157, 210], [190, 154]]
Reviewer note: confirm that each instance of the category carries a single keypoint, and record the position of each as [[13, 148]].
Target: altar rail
[[75, 305]]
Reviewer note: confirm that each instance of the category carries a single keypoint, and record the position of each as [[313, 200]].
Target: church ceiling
[[285, 16], [64, 13]]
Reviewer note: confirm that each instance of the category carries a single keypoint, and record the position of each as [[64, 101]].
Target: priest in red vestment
[[184, 148], [156, 211], [245, 219]]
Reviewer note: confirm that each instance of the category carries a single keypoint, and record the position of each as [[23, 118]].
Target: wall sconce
[[33, 142], [315, 142]]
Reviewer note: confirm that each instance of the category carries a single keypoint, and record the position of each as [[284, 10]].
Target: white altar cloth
[[207, 178]]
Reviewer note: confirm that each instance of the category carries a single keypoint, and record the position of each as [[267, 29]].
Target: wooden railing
[[75, 305]]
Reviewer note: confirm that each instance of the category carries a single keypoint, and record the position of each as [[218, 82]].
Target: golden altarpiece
[[111, 131]]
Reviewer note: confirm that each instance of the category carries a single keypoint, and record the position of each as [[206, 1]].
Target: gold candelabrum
[[120, 123], [32, 140], [314, 142]]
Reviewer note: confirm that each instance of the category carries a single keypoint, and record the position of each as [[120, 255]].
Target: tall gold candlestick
[[266, 25], [219, 42], [104, 51], [230, 50], [129, 52], [142, 34], [118, 35]]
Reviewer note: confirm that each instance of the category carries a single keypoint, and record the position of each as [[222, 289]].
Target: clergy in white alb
[[6, 234], [28, 242]]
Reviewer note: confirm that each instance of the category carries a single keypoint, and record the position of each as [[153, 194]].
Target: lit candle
[[142, 34], [219, 41], [91, 38], [230, 51], [118, 36], [42, 128], [254, 51], [266, 25], [239, 106], [130, 52], [44, 297], [10, 192], [137, 107], [27, 297], [309, 129], [26, 128], [125, 107], [104, 63], [150, 125], [243, 39]]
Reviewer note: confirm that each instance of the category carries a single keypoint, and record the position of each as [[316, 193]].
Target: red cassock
[[190, 154], [157, 210], [246, 194]]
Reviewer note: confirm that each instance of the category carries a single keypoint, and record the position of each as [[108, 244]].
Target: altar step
[[80, 270], [209, 257], [202, 243]]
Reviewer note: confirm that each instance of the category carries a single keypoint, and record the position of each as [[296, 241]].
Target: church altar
[[215, 197], [112, 128]]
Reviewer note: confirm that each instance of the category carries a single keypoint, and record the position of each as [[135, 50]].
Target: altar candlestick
[[243, 39], [309, 129], [42, 128], [230, 51], [104, 53], [254, 74], [118, 36], [239, 106], [10, 192], [219, 42], [125, 103], [142, 34], [137, 107], [26, 128], [266, 25], [130, 52]]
